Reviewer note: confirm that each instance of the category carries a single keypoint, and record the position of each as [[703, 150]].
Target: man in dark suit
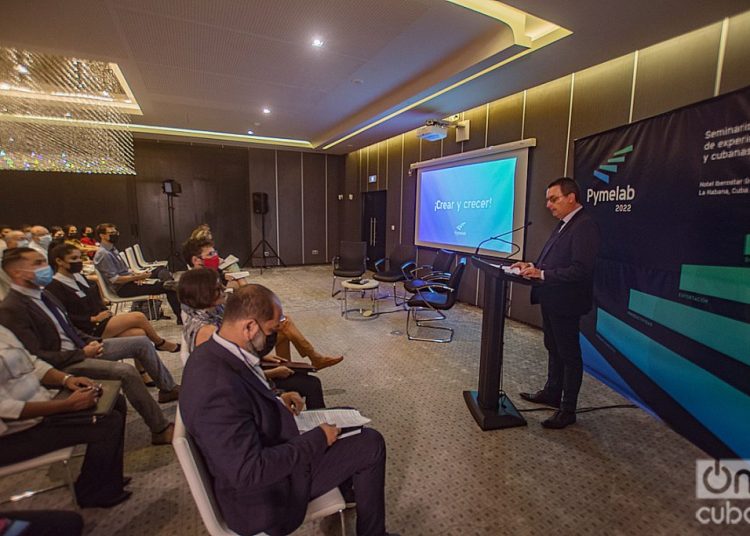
[[566, 270], [264, 471], [41, 323]]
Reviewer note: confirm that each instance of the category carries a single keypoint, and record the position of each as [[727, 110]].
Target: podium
[[489, 409]]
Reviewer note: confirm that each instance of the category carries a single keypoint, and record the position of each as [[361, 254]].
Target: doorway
[[373, 225]]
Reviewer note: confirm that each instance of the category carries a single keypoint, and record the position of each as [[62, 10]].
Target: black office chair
[[397, 267], [435, 297], [350, 262], [438, 271]]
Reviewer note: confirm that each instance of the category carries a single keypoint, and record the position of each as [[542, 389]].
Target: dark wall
[[654, 80], [217, 182]]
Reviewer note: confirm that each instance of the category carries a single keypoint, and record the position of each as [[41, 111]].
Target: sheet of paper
[[343, 418], [237, 275], [228, 261]]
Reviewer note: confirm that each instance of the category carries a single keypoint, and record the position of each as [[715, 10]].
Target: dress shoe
[[560, 419], [164, 437], [169, 396], [320, 362], [541, 397], [106, 503]]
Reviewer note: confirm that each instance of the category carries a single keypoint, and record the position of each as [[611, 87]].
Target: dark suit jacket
[[80, 310], [260, 464], [568, 267], [36, 330]]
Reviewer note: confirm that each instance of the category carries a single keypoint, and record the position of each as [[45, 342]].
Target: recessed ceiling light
[[266, 111], [22, 69], [318, 42], [250, 132]]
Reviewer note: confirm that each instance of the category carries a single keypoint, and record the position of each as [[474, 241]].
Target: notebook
[[110, 391]]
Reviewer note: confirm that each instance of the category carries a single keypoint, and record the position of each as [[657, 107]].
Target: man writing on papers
[[264, 471], [566, 268]]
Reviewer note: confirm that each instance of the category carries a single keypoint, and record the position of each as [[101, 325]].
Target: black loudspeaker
[[171, 187], [260, 202]]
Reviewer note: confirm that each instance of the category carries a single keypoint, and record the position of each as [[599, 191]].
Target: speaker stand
[[264, 247]]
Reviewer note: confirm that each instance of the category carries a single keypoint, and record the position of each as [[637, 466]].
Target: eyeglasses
[[554, 199]]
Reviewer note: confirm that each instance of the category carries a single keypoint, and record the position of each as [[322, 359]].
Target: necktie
[[63, 321], [550, 242]]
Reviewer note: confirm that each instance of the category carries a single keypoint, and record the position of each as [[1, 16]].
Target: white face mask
[[45, 240], [23, 243]]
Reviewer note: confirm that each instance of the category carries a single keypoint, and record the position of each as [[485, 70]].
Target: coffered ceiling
[[384, 66]]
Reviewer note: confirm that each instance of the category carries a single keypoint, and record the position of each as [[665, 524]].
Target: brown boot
[[320, 362], [164, 437], [169, 396]]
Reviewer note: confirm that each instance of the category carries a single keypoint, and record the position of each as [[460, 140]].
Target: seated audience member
[[87, 239], [25, 434], [202, 232], [57, 232], [16, 239], [124, 281], [73, 237], [202, 297], [264, 471], [201, 254], [85, 307], [40, 239], [4, 231], [41, 323]]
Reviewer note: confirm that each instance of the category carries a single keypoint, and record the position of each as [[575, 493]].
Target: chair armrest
[[437, 276], [416, 270], [407, 266], [378, 264], [335, 261], [439, 286]]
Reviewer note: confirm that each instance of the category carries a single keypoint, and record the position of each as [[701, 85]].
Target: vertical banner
[[670, 328]]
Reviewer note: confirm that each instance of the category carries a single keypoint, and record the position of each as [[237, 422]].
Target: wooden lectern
[[490, 410]]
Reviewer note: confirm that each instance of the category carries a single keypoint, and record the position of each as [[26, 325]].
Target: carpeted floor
[[615, 472]]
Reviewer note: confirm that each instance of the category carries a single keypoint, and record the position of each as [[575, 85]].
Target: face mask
[[212, 262], [43, 276], [114, 238], [269, 341], [89, 235], [23, 243], [45, 240], [75, 267]]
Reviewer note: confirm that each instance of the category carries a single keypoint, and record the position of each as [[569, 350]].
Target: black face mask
[[75, 267], [267, 346], [114, 238], [88, 235]]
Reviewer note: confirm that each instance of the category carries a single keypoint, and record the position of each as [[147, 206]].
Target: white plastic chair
[[62, 455], [142, 261], [116, 300], [135, 265], [199, 482]]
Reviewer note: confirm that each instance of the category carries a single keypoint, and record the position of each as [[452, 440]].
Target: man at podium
[[566, 267]]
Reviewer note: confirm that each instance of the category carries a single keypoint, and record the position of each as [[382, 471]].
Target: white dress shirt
[[250, 361], [20, 374]]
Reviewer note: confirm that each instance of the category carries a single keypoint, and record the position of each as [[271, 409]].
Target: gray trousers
[[141, 349]]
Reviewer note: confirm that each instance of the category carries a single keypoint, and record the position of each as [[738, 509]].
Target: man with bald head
[[40, 239], [264, 471]]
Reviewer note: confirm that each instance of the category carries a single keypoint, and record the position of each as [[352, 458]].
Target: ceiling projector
[[433, 131]]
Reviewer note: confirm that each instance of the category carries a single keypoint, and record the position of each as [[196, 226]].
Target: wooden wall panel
[[335, 173], [505, 120], [601, 100], [736, 74], [677, 72], [314, 207], [289, 165]]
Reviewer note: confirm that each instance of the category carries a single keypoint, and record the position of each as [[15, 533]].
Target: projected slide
[[460, 206]]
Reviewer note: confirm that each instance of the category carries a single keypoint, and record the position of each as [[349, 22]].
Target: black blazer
[[567, 289], [260, 464], [36, 330], [80, 310]]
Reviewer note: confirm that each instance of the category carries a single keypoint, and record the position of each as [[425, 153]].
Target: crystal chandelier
[[64, 114]]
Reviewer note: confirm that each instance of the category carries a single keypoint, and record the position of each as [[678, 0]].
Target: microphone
[[498, 237]]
